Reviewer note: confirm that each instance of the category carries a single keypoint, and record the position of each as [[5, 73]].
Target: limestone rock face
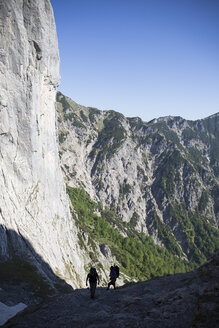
[[33, 200]]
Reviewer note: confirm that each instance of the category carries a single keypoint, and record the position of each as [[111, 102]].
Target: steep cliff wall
[[33, 200]]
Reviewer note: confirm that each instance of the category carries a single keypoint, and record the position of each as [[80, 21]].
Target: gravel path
[[183, 300], [175, 301]]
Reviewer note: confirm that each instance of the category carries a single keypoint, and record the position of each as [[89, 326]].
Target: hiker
[[93, 280], [114, 273]]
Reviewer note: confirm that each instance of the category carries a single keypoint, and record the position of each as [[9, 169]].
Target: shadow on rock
[[24, 276]]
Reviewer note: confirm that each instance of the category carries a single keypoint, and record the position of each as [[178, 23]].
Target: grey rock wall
[[33, 200]]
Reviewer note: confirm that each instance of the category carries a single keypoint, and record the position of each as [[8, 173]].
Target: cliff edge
[[35, 221]]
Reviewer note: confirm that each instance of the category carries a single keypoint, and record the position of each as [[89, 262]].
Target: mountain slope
[[161, 177], [101, 232]]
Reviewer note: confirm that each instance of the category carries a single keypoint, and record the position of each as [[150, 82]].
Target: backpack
[[116, 270], [113, 275], [93, 275]]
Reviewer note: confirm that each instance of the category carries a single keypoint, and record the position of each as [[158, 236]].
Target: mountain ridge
[[162, 175], [136, 117]]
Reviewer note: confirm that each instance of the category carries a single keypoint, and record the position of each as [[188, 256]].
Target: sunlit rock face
[[159, 177], [33, 200]]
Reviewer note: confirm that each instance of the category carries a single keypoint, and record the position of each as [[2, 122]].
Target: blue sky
[[146, 58]]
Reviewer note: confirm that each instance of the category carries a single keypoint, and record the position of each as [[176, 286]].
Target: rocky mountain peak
[[160, 177]]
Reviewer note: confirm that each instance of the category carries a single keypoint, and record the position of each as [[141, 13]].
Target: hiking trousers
[[113, 283], [93, 286]]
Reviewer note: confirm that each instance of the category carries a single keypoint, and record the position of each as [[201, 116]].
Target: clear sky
[[146, 58]]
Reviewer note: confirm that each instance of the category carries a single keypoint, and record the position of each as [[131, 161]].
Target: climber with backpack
[[114, 274], [93, 280]]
